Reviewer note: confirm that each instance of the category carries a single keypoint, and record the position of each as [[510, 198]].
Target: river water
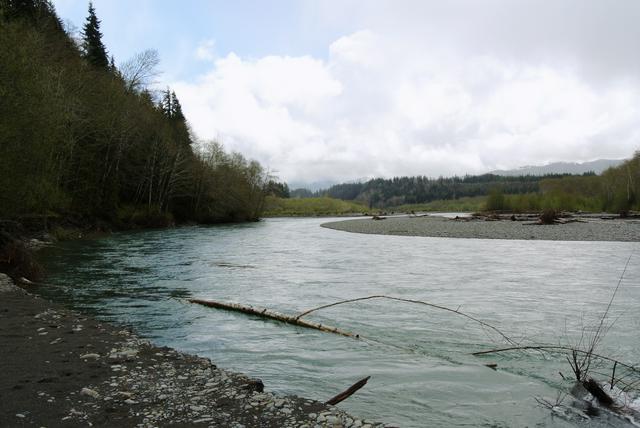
[[419, 358]]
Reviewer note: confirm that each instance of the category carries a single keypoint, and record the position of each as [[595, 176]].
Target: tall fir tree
[[94, 50], [176, 108], [166, 104]]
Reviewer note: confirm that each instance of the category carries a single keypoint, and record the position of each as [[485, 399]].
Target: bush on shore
[[303, 207]]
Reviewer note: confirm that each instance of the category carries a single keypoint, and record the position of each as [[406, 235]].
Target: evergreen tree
[[20, 8], [27, 9], [94, 50], [176, 108], [166, 103]]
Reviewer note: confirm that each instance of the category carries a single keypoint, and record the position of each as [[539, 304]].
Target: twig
[[597, 337], [556, 348], [420, 302]]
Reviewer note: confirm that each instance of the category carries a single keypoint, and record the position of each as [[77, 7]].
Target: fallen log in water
[[349, 392], [266, 313]]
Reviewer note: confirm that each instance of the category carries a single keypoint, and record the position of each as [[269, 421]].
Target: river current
[[419, 358]]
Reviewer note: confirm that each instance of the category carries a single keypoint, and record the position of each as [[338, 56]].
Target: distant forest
[[83, 138], [617, 189], [381, 193]]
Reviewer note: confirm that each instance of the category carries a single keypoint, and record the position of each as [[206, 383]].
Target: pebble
[[87, 356], [89, 392]]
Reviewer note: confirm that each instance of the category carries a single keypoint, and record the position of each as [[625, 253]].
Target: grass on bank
[[310, 207], [466, 204]]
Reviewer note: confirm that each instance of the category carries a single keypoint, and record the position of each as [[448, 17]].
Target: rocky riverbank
[[583, 228], [59, 368]]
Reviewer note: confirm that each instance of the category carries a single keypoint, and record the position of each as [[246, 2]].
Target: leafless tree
[[140, 71]]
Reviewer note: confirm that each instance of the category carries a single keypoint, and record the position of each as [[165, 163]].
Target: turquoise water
[[422, 373]]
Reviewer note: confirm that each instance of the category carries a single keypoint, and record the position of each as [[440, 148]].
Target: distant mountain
[[312, 186], [596, 166]]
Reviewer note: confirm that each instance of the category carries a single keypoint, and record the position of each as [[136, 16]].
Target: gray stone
[[6, 284], [89, 393], [88, 356]]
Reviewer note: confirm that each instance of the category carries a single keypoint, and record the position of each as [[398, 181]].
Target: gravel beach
[[59, 368], [588, 228]]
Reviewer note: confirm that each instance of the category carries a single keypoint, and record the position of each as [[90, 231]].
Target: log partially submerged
[[266, 313]]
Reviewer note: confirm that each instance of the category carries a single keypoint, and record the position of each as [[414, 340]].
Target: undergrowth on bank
[[311, 207]]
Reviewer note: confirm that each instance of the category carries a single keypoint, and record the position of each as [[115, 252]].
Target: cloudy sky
[[340, 90]]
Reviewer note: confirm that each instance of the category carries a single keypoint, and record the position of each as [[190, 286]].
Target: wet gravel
[[588, 228]]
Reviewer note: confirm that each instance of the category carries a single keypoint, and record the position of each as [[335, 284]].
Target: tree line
[[616, 190], [80, 136], [385, 193]]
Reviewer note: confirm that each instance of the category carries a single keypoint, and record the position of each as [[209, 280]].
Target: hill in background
[[576, 168]]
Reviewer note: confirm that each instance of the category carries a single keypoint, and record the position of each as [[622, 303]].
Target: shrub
[[495, 200]]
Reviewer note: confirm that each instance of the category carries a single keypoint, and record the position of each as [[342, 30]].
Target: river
[[419, 358]]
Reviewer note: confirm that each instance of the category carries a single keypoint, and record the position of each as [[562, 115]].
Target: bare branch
[[140, 71], [420, 302], [348, 392]]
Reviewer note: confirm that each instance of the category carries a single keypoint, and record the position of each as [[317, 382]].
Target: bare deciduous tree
[[141, 70]]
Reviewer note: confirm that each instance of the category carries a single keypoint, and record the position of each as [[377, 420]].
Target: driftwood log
[[348, 392], [266, 313]]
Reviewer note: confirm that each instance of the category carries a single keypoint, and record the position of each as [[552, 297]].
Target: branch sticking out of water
[[348, 392], [557, 349], [419, 302]]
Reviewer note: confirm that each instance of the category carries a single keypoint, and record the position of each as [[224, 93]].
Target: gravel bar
[[585, 229], [59, 368]]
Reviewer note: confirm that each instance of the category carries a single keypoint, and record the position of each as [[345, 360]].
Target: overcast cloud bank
[[432, 89]]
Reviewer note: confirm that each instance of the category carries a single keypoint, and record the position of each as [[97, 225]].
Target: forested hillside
[[80, 137], [380, 193], [615, 190]]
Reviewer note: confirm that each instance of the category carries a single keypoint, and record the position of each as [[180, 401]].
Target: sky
[[341, 90]]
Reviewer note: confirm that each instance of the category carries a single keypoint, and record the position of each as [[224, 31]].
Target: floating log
[[349, 392], [266, 313]]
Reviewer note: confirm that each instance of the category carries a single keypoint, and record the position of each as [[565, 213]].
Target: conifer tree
[[94, 50], [166, 104], [176, 108], [20, 8]]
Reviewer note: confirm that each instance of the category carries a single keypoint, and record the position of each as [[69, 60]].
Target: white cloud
[[379, 107], [206, 50]]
